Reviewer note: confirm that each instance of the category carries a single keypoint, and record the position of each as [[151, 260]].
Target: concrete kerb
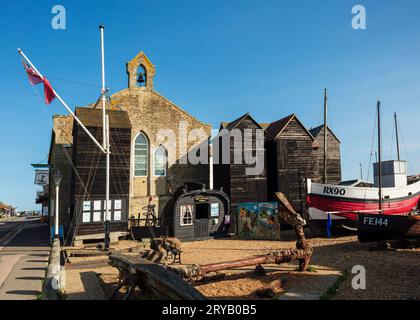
[[54, 283]]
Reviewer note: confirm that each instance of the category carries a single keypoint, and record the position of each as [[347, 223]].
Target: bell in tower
[[140, 79], [141, 76], [140, 72]]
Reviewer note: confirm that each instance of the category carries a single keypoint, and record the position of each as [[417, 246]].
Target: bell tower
[[140, 72]]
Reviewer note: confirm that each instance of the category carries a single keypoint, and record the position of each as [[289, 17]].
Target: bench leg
[[122, 283]]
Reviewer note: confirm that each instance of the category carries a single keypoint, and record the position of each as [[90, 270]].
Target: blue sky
[[217, 60]]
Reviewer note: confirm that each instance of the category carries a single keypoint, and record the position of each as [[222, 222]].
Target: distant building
[[42, 198], [7, 210]]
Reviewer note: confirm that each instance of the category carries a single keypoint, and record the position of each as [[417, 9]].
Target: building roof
[[235, 123], [93, 118], [316, 131], [277, 127], [5, 206]]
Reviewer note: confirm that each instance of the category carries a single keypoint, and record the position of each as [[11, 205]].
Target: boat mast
[[379, 156], [396, 133], [105, 140], [325, 134]]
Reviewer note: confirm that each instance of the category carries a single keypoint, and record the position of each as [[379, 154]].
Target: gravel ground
[[389, 274]]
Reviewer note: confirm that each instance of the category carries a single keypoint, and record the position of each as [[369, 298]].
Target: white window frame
[[147, 154], [182, 212]]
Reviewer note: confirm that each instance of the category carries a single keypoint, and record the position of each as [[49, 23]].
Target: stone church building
[[163, 136], [152, 115]]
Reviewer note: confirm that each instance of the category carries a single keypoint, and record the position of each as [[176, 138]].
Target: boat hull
[[377, 227], [343, 204]]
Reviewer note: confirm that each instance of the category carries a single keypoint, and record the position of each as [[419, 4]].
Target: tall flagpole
[[106, 146]]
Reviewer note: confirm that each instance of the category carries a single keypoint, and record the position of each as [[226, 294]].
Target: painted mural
[[258, 221]]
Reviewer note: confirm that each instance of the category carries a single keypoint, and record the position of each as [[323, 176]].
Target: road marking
[[9, 237]]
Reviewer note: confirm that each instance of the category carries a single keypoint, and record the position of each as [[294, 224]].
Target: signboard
[[258, 221], [214, 210], [201, 198], [42, 177]]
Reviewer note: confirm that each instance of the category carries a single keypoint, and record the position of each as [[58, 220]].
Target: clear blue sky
[[217, 59]]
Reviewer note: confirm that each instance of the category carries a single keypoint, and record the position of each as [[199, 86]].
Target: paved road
[[24, 252]]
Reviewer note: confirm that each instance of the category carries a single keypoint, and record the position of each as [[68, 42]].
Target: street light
[[57, 179]]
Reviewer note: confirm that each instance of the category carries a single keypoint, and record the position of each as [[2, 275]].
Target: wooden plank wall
[[291, 161], [90, 163], [333, 159], [243, 187]]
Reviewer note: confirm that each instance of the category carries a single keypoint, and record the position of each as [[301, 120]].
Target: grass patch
[[310, 269], [334, 288], [40, 296]]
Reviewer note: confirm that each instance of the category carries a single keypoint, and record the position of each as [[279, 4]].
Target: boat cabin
[[394, 174]]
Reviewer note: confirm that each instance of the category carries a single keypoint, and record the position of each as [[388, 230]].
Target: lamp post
[[57, 179]]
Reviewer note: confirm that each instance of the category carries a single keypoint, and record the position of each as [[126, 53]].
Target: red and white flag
[[35, 78]]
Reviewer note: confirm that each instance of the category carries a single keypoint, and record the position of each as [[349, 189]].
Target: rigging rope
[[75, 82], [405, 150]]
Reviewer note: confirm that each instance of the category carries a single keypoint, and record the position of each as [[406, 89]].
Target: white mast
[[106, 146]]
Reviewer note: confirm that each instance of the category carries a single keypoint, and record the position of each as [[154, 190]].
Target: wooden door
[[201, 228]]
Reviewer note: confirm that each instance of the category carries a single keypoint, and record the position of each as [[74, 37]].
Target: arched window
[[160, 161], [141, 148]]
